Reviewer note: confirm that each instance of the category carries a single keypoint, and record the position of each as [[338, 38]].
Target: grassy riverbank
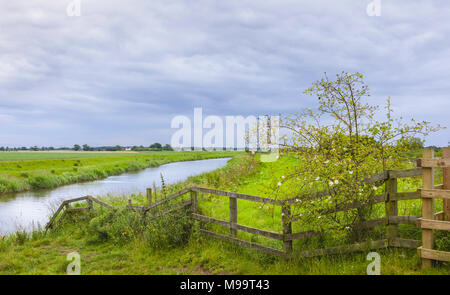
[[21, 171], [124, 246]]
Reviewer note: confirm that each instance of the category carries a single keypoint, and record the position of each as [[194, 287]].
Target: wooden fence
[[65, 209], [287, 236], [391, 220], [429, 193]]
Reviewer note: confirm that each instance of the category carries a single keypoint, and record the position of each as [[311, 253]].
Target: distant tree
[[167, 147], [415, 143], [435, 148], [76, 147], [86, 148], [2, 148], [156, 145], [34, 148]]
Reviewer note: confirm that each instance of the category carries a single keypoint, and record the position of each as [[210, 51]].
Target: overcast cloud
[[118, 73]]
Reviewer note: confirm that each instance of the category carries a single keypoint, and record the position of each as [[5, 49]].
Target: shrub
[[337, 146], [165, 231], [168, 231], [98, 228], [7, 185], [43, 181]]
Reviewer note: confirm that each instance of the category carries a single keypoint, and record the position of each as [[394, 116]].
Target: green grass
[[21, 171], [47, 255], [59, 155], [41, 254]]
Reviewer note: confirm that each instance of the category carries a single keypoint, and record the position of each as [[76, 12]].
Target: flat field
[[21, 171]]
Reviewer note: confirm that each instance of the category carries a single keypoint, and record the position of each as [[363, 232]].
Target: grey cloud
[[122, 70]]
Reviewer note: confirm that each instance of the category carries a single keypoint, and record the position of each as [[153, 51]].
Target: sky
[[117, 72]]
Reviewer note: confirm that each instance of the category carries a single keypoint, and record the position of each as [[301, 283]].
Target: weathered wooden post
[[233, 216], [194, 202], [91, 204], [149, 196], [391, 208], [427, 206], [446, 174], [287, 228]]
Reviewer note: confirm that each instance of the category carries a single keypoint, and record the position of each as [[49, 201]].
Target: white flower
[[300, 215], [329, 198], [327, 161], [279, 184], [297, 200], [319, 217], [350, 172], [282, 177], [375, 188], [282, 214], [330, 183], [336, 181], [318, 178]]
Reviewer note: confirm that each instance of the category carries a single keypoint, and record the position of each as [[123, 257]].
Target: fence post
[[391, 208], [427, 206], [446, 174], [287, 228], [149, 196], [194, 202], [91, 204], [233, 216]]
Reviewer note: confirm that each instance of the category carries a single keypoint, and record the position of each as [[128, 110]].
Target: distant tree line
[[415, 144], [154, 147], [32, 148]]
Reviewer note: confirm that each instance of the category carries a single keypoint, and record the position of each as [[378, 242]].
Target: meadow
[[21, 171], [129, 244]]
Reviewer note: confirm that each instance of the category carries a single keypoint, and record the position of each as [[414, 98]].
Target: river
[[23, 211]]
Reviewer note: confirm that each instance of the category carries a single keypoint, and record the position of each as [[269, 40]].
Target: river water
[[23, 211]]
